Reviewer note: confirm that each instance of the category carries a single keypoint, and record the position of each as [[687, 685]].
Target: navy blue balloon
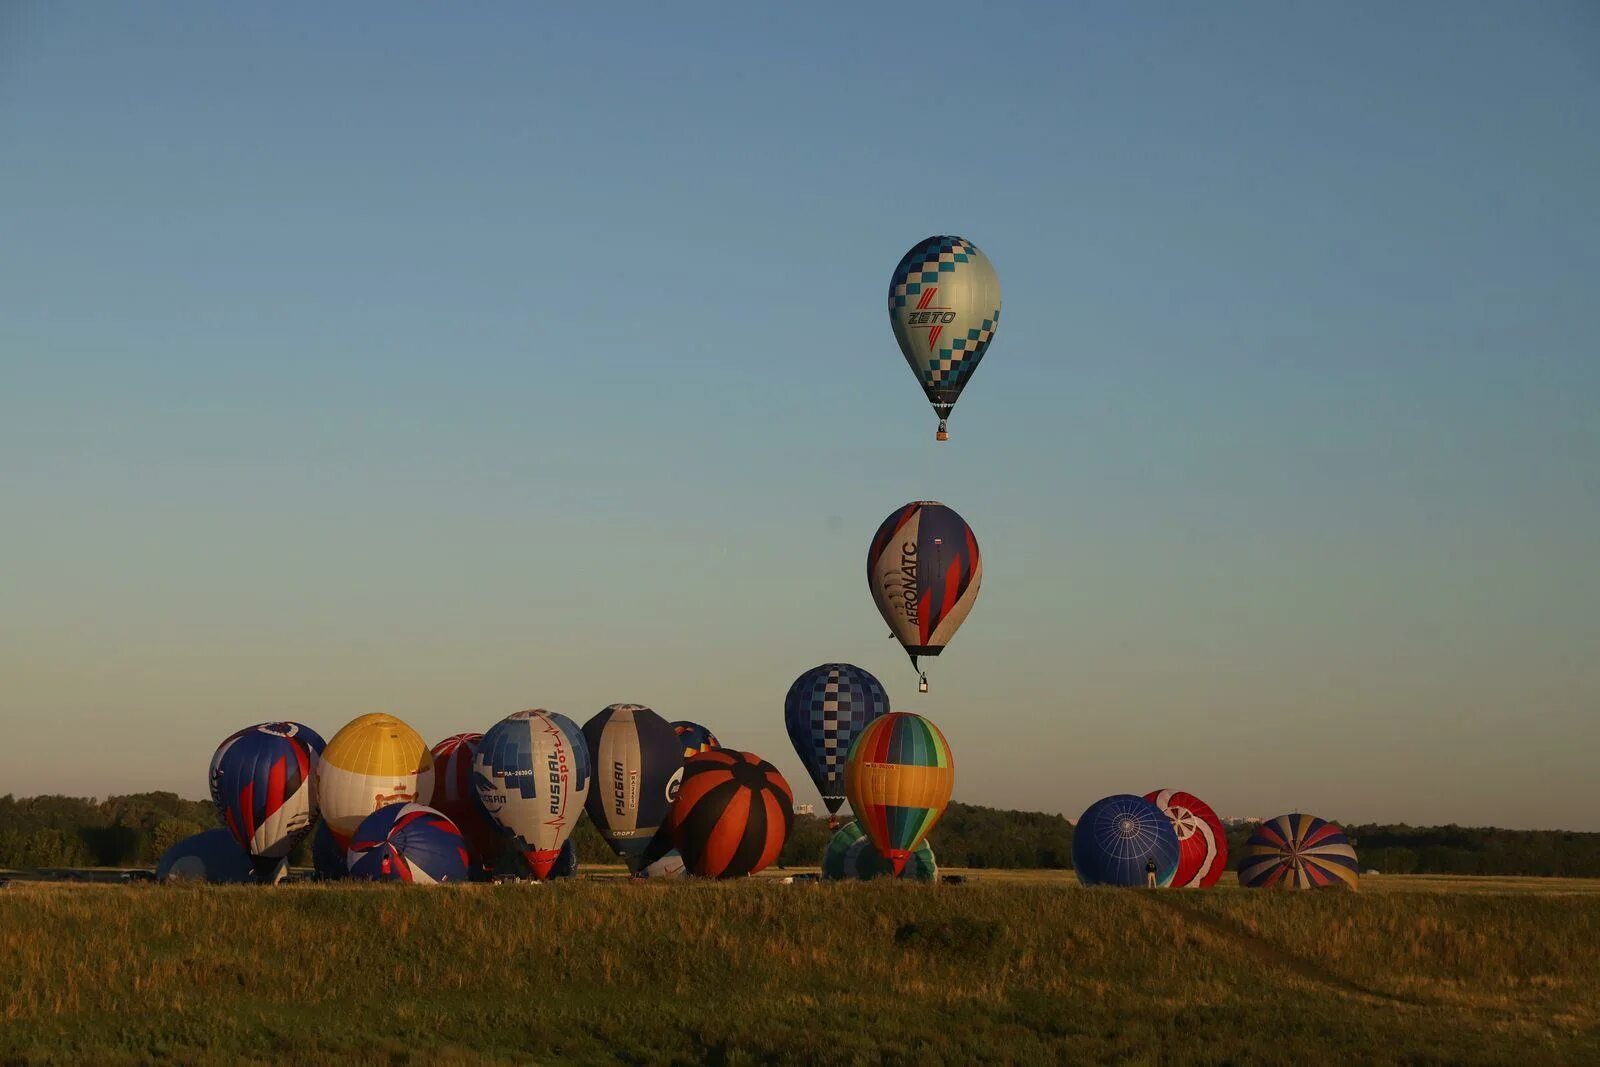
[[209, 856], [408, 843], [826, 708], [1117, 838], [327, 855]]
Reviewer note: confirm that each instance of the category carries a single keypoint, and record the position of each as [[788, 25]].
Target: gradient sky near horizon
[[449, 362]]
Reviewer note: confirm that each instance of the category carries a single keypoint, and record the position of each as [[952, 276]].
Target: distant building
[[804, 809]]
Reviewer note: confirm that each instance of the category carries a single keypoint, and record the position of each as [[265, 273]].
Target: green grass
[[998, 969]]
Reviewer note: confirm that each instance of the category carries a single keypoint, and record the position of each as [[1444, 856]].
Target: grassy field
[[1009, 968]]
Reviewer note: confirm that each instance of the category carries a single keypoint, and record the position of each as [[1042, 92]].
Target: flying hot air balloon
[[455, 796], [376, 760], [1119, 838], [531, 771], [261, 785], [408, 843], [944, 307], [733, 814], [1298, 851], [824, 710], [924, 570], [639, 762], [694, 737], [1202, 839], [898, 777]]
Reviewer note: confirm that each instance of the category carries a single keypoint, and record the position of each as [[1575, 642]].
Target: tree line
[[133, 830]]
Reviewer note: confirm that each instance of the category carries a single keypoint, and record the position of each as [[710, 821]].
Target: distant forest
[[133, 831]]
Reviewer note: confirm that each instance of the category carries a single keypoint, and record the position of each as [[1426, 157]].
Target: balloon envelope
[[924, 570], [899, 776], [515, 863], [825, 709], [944, 308], [733, 814], [375, 761], [408, 843], [1298, 851], [455, 796], [1118, 837], [694, 737], [531, 772], [261, 786], [639, 761], [327, 855], [1202, 839], [209, 856], [850, 855]]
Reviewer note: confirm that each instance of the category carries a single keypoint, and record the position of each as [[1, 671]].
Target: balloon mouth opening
[[542, 862], [898, 858]]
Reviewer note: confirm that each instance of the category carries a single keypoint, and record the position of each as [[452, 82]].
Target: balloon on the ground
[[924, 570], [209, 856], [824, 710], [531, 771], [1202, 839], [898, 777], [261, 786], [1298, 851], [327, 855], [638, 761], [944, 308], [455, 796], [694, 737], [669, 865], [850, 855], [1118, 837], [733, 815], [375, 761], [408, 843]]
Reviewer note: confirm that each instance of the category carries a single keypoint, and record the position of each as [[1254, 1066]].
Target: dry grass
[[996, 969]]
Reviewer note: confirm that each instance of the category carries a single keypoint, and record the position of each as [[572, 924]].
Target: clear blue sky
[[447, 362]]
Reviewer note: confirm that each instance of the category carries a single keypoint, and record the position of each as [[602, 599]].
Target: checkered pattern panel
[[923, 265], [957, 359]]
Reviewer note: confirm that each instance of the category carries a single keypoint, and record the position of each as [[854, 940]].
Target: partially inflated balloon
[[850, 855], [327, 855], [1124, 840], [898, 777], [408, 843], [455, 796], [944, 307], [1202, 840], [209, 856], [261, 786], [1298, 851], [694, 738], [924, 570], [638, 761], [376, 760], [733, 814], [531, 772], [825, 709]]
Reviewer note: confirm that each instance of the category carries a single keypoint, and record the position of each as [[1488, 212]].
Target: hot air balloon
[[850, 855], [1298, 851], [944, 307], [898, 777], [825, 709], [454, 795], [209, 856], [408, 843], [639, 760], [694, 738], [515, 863], [531, 771], [733, 814], [261, 786], [1118, 838], [924, 570], [375, 761], [327, 856], [1202, 840]]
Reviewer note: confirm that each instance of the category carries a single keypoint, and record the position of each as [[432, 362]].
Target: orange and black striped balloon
[[733, 814]]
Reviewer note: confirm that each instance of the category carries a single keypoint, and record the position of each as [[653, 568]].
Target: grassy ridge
[[754, 971]]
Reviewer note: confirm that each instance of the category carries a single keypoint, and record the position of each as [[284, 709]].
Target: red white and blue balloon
[[408, 843], [261, 786], [1202, 840]]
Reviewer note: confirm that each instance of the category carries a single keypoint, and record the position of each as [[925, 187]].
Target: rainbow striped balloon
[[898, 777], [1298, 852]]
